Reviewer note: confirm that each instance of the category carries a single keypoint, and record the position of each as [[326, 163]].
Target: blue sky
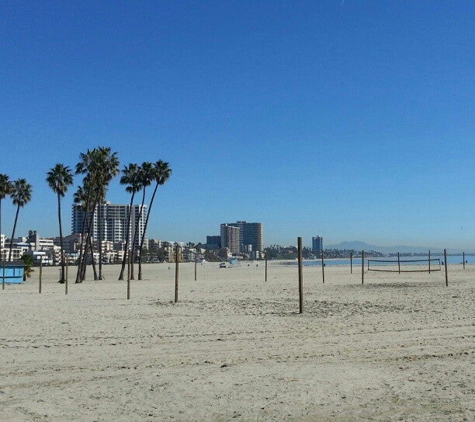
[[345, 119]]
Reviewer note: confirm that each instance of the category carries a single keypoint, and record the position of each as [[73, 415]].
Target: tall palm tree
[[5, 189], [130, 178], [161, 173], [59, 178], [145, 175], [99, 166], [21, 195]]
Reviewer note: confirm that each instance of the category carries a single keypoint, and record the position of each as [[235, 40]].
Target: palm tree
[[5, 189], [145, 175], [21, 195], [130, 177], [161, 174], [99, 166], [59, 178]]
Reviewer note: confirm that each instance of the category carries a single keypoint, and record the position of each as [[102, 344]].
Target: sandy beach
[[401, 347]]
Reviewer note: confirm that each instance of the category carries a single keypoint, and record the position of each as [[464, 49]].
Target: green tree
[[28, 261], [99, 166], [161, 174], [59, 178], [130, 178], [6, 188], [21, 195]]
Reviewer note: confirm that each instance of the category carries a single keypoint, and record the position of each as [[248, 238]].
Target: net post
[[362, 267], [463, 257], [177, 270], [41, 274], [429, 261], [265, 274], [399, 263], [299, 248], [445, 263], [323, 267], [351, 262]]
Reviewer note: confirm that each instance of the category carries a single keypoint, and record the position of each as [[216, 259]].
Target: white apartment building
[[110, 222]]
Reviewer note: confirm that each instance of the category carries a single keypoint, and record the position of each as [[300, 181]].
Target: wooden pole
[[351, 262], [429, 261], [177, 270], [323, 266], [265, 276], [299, 247], [362, 267], [399, 263], [128, 257], [445, 263], [196, 268], [3, 275], [463, 258], [66, 280], [41, 274]]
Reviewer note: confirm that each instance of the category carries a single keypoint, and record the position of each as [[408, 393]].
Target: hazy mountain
[[358, 245]]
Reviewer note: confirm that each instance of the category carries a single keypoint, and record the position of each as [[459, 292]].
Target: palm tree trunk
[[99, 229], [82, 246], [13, 233], [136, 236], [61, 240], [124, 259], [145, 230]]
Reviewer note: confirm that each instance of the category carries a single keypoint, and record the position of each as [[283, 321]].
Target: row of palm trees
[[98, 167], [20, 192]]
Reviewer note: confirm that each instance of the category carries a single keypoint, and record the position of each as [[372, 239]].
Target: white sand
[[401, 347]]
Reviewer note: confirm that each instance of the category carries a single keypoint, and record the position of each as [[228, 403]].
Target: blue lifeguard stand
[[14, 272]]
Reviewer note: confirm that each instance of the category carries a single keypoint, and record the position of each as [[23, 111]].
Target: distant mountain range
[[357, 245]]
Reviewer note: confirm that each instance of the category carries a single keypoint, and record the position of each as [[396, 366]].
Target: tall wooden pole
[[323, 267], [196, 268], [362, 267], [445, 262], [265, 276], [41, 274], [463, 258], [3, 275], [128, 257], [177, 270], [351, 262], [299, 247], [399, 263], [66, 280], [429, 261]]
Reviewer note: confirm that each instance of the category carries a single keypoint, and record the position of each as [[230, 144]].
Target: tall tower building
[[317, 245], [230, 237], [110, 222], [250, 236]]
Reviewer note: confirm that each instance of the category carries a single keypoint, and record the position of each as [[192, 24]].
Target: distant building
[[230, 238], [213, 242], [110, 222], [317, 245], [251, 236]]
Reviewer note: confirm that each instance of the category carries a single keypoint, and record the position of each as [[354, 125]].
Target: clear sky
[[352, 120]]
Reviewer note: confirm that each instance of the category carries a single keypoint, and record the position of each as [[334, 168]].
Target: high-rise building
[[213, 242], [317, 245], [250, 236], [230, 237], [110, 222]]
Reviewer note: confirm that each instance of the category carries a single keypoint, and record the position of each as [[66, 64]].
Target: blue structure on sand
[[14, 272]]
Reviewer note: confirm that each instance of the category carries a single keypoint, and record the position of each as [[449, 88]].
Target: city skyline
[[350, 119]]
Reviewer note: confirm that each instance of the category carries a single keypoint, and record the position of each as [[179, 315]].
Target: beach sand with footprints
[[234, 347]]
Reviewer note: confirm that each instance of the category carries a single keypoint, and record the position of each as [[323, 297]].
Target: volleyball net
[[405, 265]]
